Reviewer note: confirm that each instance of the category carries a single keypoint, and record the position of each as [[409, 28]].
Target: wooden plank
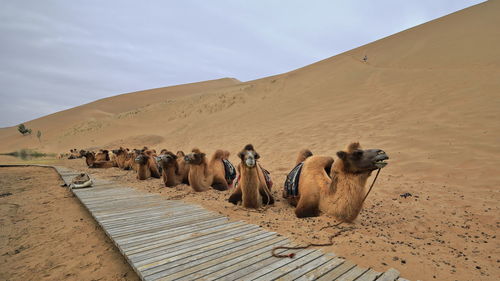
[[273, 264], [138, 254], [175, 262], [337, 271], [186, 236], [178, 257], [352, 274], [233, 272], [149, 213], [369, 275], [125, 239], [155, 225], [165, 234], [303, 269], [150, 216], [195, 272], [190, 246], [321, 270], [155, 229], [390, 275], [296, 263]]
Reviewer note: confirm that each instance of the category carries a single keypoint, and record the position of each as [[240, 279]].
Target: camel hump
[[218, 154], [303, 155], [319, 162]]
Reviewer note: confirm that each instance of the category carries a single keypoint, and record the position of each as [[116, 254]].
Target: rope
[[330, 243]]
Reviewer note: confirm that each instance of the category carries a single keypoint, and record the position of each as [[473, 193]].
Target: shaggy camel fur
[[74, 154], [303, 155], [203, 175], [171, 172], [91, 161], [147, 165], [121, 156], [337, 189], [252, 189], [102, 155], [183, 166]]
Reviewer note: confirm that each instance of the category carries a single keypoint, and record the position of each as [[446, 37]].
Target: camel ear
[[342, 155], [241, 155], [257, 156]]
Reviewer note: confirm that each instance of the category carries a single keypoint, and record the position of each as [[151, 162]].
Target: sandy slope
[[47, 235], [429, 96]]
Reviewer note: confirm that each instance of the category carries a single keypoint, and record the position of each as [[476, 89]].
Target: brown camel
[[121, 157], [171, 172], [203, 175], [337, 189], [252, 188], [102, 155], [147, 165], [303, 155], [74, 154], [91, 161], [183, 166]]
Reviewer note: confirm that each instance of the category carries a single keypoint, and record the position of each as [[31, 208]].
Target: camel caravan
[[315, 185]]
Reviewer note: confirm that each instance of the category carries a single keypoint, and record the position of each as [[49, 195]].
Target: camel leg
[[237, 196], [307, 209]]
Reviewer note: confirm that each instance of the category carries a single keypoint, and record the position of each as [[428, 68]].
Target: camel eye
[[358, 153]]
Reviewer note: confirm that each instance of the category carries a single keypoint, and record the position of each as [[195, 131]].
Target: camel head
[[89, 155], [249, 156], [196, 157], [119, 151], [141, 158], [167, 158], [180, 153], [356, 160]]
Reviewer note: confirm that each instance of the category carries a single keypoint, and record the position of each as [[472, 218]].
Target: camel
[[183, 166], [102, 155], [252, 188], [172, 173], [91, 161], [147, 165], [303, 155], [74, 154], [121, 157], [337, 189], [203, 175]]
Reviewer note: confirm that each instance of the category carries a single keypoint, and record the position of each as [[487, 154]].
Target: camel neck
[[250, 183]]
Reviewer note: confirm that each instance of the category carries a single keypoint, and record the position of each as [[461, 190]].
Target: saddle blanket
[[292, 181]]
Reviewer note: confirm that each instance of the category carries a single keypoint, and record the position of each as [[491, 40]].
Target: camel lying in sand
[[74, 154], [202, 174], [102, 155], [252, 188], [337, 189], [90, 159], [147, 165], [174, 168], [123, 158]]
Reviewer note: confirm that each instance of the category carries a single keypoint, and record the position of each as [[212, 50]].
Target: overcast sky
[[56, 55]]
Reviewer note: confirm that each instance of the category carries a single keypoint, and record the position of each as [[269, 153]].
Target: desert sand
[[429, 96], [47, 235]]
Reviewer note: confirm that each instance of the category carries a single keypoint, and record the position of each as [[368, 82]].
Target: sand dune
[[429, 96]]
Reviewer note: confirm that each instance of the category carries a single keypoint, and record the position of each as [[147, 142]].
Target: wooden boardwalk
[[171, 240]]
